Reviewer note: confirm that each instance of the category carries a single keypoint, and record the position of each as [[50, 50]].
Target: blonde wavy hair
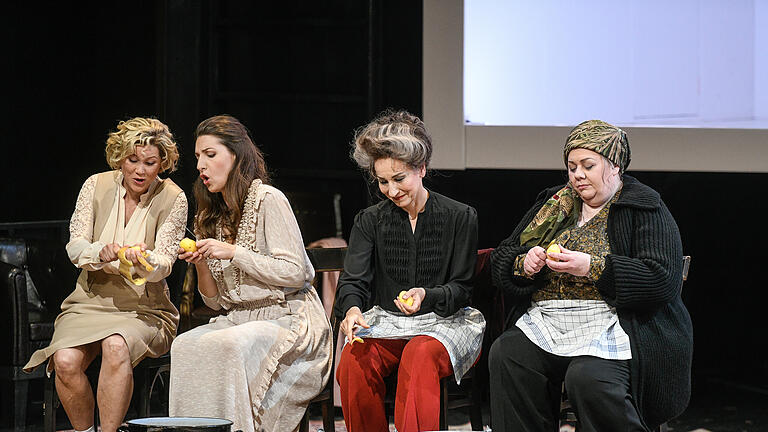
[[140, 131], [393, 134]]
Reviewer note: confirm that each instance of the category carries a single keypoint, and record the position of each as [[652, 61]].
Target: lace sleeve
[[167, 241], [82, 250]]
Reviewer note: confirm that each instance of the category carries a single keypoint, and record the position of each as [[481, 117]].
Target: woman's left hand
[[417, 294], [132, 255], [568, 261], [214, 249]]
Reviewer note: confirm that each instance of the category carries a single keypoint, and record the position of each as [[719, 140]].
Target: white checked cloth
[[461, 333], [573, 328]]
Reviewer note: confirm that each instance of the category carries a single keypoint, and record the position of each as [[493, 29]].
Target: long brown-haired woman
[[261, 363]]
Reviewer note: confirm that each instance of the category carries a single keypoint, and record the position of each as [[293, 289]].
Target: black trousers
[[526, 387]]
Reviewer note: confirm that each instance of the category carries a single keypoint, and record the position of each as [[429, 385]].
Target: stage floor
[[716, 406]]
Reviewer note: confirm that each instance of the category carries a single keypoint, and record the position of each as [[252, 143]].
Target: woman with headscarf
[[604, 315]]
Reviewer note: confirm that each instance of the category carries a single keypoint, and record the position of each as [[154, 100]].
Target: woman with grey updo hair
[[410, 263], [394, 134]]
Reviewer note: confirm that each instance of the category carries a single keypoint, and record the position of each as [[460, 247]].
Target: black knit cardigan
[[643, 280]]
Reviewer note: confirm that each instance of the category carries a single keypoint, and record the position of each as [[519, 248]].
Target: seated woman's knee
[[226, 343], [505, 347], [420, 350], [114, 350], [67, 362], [498, 352], [581, 376]]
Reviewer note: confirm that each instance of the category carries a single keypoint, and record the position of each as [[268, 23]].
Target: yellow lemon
[[408, 301], [188, 244], [553, 248], [126, 264]]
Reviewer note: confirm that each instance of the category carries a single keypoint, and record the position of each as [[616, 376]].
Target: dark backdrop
[[303, 76]]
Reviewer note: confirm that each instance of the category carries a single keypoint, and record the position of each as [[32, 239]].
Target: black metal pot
[[177, 424]]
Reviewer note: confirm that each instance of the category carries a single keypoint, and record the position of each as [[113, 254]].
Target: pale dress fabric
[[261, 363], [104, 302]]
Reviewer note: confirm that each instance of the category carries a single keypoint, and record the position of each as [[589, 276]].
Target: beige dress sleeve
[[284, 265]]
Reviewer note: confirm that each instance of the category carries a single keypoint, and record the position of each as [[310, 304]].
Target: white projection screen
[[504, 81]]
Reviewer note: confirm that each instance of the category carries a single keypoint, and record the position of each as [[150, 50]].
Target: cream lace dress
[[261, 363], [104, 302]]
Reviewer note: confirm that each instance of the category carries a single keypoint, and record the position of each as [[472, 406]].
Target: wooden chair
[[326, 260], [568, 414]]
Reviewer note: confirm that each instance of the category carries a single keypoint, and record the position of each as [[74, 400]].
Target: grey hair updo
[[393, 134]]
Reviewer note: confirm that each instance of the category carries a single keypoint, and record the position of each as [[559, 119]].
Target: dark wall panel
[[74, 71]]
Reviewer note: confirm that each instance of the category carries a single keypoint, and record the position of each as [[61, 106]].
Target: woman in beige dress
[[261, 363], [120, 309]]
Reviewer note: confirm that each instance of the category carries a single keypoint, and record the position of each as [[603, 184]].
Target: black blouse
[[385, 257]]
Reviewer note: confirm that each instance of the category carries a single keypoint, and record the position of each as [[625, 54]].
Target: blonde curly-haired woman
[[120, 308]]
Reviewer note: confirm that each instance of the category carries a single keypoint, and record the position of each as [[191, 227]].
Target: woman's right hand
[[191, 257], [109, 252], [353, 318], [535, 260]]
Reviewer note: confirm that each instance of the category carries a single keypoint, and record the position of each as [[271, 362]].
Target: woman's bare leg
[[115, 382], [72, 384]]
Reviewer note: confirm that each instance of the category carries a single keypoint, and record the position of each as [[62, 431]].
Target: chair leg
[[20, 395], [141, 380], [329, 420], [475, 409], [476, 417], [50, 404], [443, 404]]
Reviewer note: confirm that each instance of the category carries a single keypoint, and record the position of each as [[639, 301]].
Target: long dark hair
[[249, 165]]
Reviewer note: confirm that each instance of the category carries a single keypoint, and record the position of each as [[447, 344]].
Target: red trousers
[[362, 368]]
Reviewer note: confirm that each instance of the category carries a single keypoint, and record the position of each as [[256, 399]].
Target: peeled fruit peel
[[188, 244], [356, 339], [126, 264], [408, 301], [553, 248]]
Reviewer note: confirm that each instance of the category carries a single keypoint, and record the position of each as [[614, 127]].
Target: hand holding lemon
[[408, 301], [126, 264], [573, 262], [553, 248]]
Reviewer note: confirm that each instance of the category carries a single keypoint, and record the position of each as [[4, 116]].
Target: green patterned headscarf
[[602, 138]]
